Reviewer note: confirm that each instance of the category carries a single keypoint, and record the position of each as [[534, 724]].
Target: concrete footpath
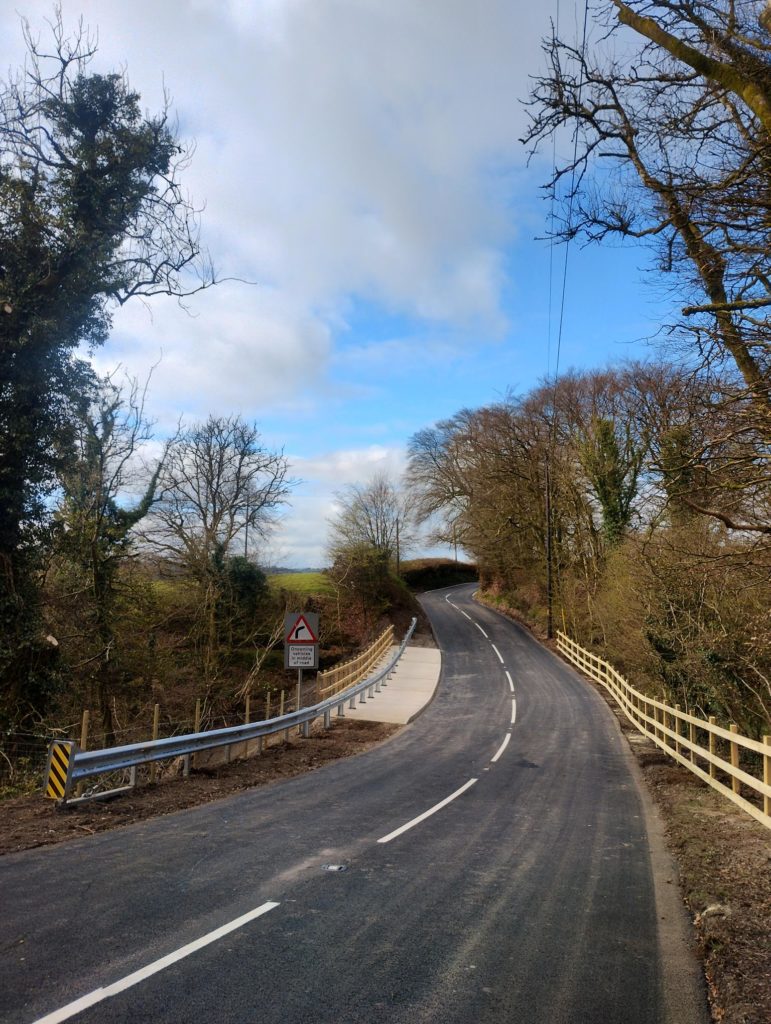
[[411, 687]]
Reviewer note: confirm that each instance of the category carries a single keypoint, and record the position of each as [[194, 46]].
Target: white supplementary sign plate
[[301, 655]]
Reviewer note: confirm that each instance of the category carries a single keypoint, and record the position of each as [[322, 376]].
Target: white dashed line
[[466, 614], [146, 972], [426, 814], [481, 631], [513, 711], [497, 652], [502, 747], [511, 681]]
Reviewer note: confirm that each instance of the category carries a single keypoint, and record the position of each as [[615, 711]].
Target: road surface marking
[[513, 711], [481, 631], [424, 815], [146, 972], [497, 652], [511, 681], [466, 614], [502, 747]]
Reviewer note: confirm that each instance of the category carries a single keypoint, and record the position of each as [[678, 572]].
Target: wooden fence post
[[712, 768], [692, 738], [767, 775], [676, 723], [735, 784]]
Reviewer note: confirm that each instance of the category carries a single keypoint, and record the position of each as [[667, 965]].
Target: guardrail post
[[187, 759], [286, 731], [767, 775], [327, 719], [712, 769], [341, 709], [735, 784], [83, 745], [156, 727]]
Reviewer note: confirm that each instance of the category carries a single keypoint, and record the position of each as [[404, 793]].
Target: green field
[[307, 584]]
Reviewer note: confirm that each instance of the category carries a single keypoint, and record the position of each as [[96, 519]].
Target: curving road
[[497, 867]]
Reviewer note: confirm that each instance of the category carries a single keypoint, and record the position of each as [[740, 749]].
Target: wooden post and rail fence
[[347, 673], [679, 734]]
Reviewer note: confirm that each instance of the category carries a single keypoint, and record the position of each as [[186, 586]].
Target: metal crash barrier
[[68, 766]]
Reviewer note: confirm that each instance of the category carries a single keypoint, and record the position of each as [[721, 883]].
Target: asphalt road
[[529, 897]]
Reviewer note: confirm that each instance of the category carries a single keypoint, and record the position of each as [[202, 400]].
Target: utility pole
[[549, 592], [246, 528]]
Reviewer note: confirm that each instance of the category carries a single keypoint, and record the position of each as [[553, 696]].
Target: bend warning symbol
[[300, 630]]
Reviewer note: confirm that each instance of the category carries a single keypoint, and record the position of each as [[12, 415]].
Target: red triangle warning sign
[[301, 632]]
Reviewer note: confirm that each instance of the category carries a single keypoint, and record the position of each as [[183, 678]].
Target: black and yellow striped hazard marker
[[59, 766]]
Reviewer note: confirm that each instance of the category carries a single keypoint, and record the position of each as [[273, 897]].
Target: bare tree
[[673, 147], [373, 516], [218, 482], [95, 518]]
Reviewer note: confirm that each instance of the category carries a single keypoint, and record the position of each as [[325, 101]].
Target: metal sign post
[[301, 645]]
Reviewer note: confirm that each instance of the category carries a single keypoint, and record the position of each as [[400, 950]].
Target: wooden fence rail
[[347, 673], [677, 733]]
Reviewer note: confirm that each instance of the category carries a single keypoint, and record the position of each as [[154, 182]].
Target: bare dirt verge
[[30, 821]]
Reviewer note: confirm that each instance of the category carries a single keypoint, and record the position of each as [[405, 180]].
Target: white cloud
[[350, 466], [249, 351], [344, 148], [343, 145]]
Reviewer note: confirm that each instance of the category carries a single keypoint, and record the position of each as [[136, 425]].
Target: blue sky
[[359, 160]]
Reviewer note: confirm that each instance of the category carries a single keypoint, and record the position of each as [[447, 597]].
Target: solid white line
[[481, 631], [497, 652], [145, 972], [511, 681], [502, 747], [513, 711], [426, 814]]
